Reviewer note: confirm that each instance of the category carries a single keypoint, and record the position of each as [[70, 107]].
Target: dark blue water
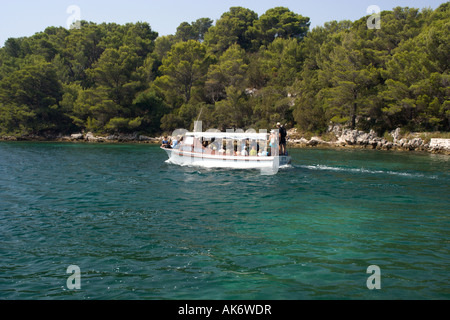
[[139, 228]]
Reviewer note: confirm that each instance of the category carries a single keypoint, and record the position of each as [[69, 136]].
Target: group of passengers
[[245, 148], [171, 144]]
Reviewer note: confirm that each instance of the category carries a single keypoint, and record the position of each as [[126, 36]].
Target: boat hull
[[181, 158]]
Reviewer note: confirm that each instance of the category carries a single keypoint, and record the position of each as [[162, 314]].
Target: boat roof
[[229, 135]]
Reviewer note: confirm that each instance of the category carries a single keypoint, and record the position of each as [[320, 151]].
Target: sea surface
[[139, 228]]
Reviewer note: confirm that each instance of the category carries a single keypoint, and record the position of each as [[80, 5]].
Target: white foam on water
[[367, 171]]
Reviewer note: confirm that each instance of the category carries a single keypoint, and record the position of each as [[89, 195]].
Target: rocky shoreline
[[345, 138], [336, 137], [86, 137]]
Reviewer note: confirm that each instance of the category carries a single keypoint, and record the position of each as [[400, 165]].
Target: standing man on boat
[[283, 134]]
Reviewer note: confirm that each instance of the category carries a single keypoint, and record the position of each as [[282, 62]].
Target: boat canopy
[[229, 135]]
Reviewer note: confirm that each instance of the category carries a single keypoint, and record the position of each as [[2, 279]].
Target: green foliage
[[15, 120], [184, 68], [195, 31], [233, 27], [123, 124], [230, 70], [30, 99], [243, 71], [234, 111], [115, 71], [278, 23]]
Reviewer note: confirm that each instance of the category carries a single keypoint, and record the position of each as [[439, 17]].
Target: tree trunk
[[355, 107]]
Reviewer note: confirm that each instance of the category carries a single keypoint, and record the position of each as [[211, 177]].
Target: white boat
[[235, 150]]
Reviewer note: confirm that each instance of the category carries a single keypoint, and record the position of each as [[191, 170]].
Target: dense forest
[[243, 71]]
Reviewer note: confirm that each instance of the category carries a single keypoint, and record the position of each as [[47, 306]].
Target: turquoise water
[[139, 228]]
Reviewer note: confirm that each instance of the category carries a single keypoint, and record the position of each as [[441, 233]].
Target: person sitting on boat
[[263, 153], [174, 143], [214, 145], [165, 143], [253, 152], [244, 151], [180, 142]]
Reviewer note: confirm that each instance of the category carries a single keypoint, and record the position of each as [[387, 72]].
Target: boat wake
[[212, 165], [366, 171]]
